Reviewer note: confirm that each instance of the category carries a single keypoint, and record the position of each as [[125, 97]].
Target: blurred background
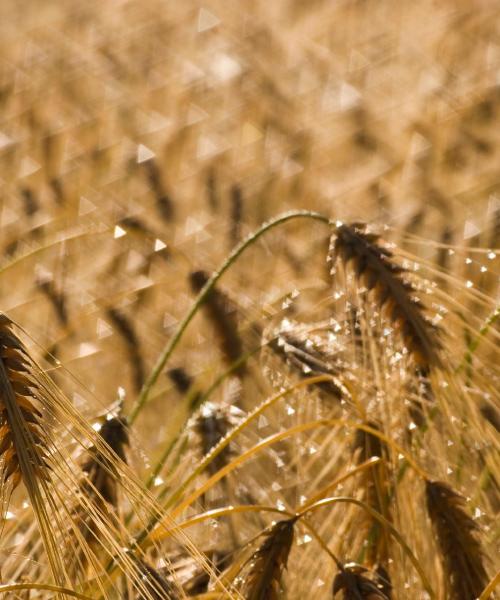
[[141, 140]]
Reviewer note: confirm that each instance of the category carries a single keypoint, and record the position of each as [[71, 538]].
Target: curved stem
[[228, 510], [14, 587], [216, 450], [376, 515], [371, 462], [276, 438], [161, 534], [207, 288], [321, 541]]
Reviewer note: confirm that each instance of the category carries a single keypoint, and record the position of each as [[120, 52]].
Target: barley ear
[[153, 585], [456, 534], [358, 583], [263, 581], [24, 440], [374, 266], [100, 471]]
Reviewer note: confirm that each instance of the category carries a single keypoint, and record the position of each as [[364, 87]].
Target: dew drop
[[305, 539], [262, 422], [159, 245], [119, 232]]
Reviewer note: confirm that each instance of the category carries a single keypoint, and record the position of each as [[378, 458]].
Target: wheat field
[[249, 299]]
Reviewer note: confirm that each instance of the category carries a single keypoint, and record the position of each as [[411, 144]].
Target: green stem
[[171, 345]]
